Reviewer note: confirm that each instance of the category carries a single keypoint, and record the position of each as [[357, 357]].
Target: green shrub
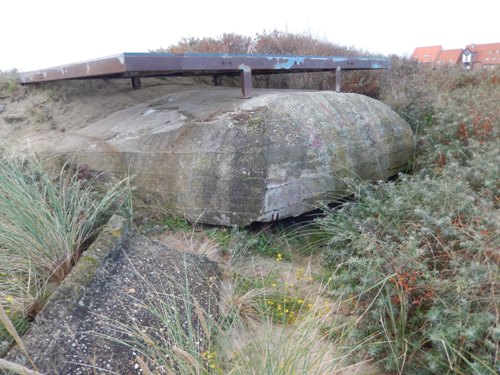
[[241, 241], [175, 223], [419, 255]]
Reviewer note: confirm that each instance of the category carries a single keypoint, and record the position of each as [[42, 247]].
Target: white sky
[[36, 34]]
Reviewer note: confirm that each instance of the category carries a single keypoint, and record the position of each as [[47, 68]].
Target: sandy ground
[[44, 114]]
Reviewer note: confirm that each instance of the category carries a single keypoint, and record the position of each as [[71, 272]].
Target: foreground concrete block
[[112, 285], [226, 161]]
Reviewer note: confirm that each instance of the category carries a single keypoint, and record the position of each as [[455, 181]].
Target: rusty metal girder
[[136, 65]]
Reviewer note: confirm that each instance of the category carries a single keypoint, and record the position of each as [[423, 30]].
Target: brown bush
[[417, 91], [284, 43], [227, 43]]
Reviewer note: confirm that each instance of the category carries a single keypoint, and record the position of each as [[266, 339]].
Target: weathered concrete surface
[[222, 160], [115, 284]]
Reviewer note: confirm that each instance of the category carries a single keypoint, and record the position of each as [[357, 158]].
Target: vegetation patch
[[8, 82], [46, 221], [265, 243], [419, 256]]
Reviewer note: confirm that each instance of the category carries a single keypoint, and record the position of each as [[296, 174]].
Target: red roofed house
[[426, 54], [437, 55], [477, 56], [474, 56], [449, 56]]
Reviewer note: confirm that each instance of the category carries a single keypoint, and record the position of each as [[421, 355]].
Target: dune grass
[[45, 222]]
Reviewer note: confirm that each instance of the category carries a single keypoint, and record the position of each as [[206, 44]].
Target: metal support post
[[217, 80], [338, 79], [246, 83], [136, 83]]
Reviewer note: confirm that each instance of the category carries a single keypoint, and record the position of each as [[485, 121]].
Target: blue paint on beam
[[289, 63]]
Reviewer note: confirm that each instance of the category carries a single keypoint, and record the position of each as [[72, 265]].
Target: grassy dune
[[402, 279]]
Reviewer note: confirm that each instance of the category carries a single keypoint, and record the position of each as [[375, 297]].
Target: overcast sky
[[41, 33]]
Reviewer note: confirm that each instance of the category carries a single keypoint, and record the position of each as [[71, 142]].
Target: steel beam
[[136, 65]]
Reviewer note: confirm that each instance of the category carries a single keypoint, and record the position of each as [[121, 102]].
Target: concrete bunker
[[220, 160]]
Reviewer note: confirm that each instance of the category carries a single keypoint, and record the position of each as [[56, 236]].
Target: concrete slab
[[113, 284]]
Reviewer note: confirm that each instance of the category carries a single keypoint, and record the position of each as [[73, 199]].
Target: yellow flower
[[208, 355], [300, 273], [301, 301], [309, 305], [9, 298], [279, 257]]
